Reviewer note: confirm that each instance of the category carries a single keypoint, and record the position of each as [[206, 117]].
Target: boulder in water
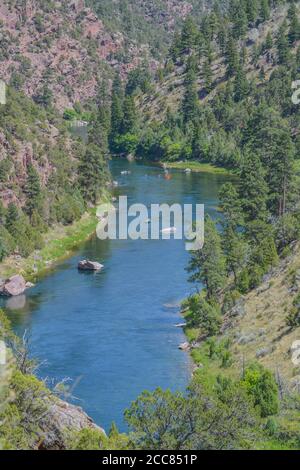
[[15, 285], [87, 265], [184, 346]]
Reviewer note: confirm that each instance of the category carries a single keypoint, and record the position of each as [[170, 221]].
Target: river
[[113, 333]]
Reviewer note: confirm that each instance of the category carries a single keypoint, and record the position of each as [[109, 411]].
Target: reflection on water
[[116, 329], [16, 303]]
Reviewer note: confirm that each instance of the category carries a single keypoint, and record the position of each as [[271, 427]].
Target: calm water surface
[[113, 332]]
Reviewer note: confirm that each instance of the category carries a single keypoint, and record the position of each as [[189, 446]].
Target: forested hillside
[[151, 22], [59, 52], [46, 177]]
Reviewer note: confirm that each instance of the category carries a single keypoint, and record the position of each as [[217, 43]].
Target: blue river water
[[113, 333]]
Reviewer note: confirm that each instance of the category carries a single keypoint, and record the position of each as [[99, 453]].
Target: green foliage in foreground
[[216, 412]]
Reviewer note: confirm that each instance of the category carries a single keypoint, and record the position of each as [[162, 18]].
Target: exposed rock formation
[[86, 265], [50, 42], [13, 286], [60, 422]]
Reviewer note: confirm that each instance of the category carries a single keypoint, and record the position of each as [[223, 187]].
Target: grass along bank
[[197, 167], [60, 243]]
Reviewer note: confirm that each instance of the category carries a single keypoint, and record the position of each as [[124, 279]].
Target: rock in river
[[15, 285], [184, 346], [87, 265]]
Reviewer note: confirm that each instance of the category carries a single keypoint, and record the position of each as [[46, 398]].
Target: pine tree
[[262, 75], [92, 173], [44, 97], [253, 188], [175, 49], [12, 217], [234, 246], [230, 205], [294, 29], [129, 116], [264, 10], [100, 126], [188, 35], [231, 57], [208, 265], [243, 56], [297, 58], [32, 190], [269, 41], [207, 76], [221, 39], [236, 250], [252, 10], [241, 85], [283, 46], [270, 139], [240, 23], [190, 100], [279, 163], [116, 107]]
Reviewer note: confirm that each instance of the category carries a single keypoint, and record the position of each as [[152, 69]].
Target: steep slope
[[61, 45], [29, 135], [152, 21], [167, 94], [258, 326]]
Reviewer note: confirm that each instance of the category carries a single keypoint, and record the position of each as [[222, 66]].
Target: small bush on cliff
[[261, 386], [293, 318], [204, 315]]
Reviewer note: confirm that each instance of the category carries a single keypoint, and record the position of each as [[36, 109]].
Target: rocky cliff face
[[27, 137], [63, 45], [61, 420]]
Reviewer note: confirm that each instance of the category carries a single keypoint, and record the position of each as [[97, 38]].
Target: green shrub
[[293, 318], [261, 386], [204, 315], [243, 281]]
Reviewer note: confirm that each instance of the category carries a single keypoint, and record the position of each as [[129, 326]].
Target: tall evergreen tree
[[253, 188], [294, 29], [207, 76], [32, 190], [240, 23], [92, 173], [129, 115], [190, 100], [188, 35], [234, 246], [241, 85], [264, 10], [208, 264], [269, 41], [12, 217], [231, 57], [116, 107], [252, 10], [283, 46]]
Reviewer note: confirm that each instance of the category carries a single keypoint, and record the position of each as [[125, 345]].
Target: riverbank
[[60, 243], [197, 167]]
